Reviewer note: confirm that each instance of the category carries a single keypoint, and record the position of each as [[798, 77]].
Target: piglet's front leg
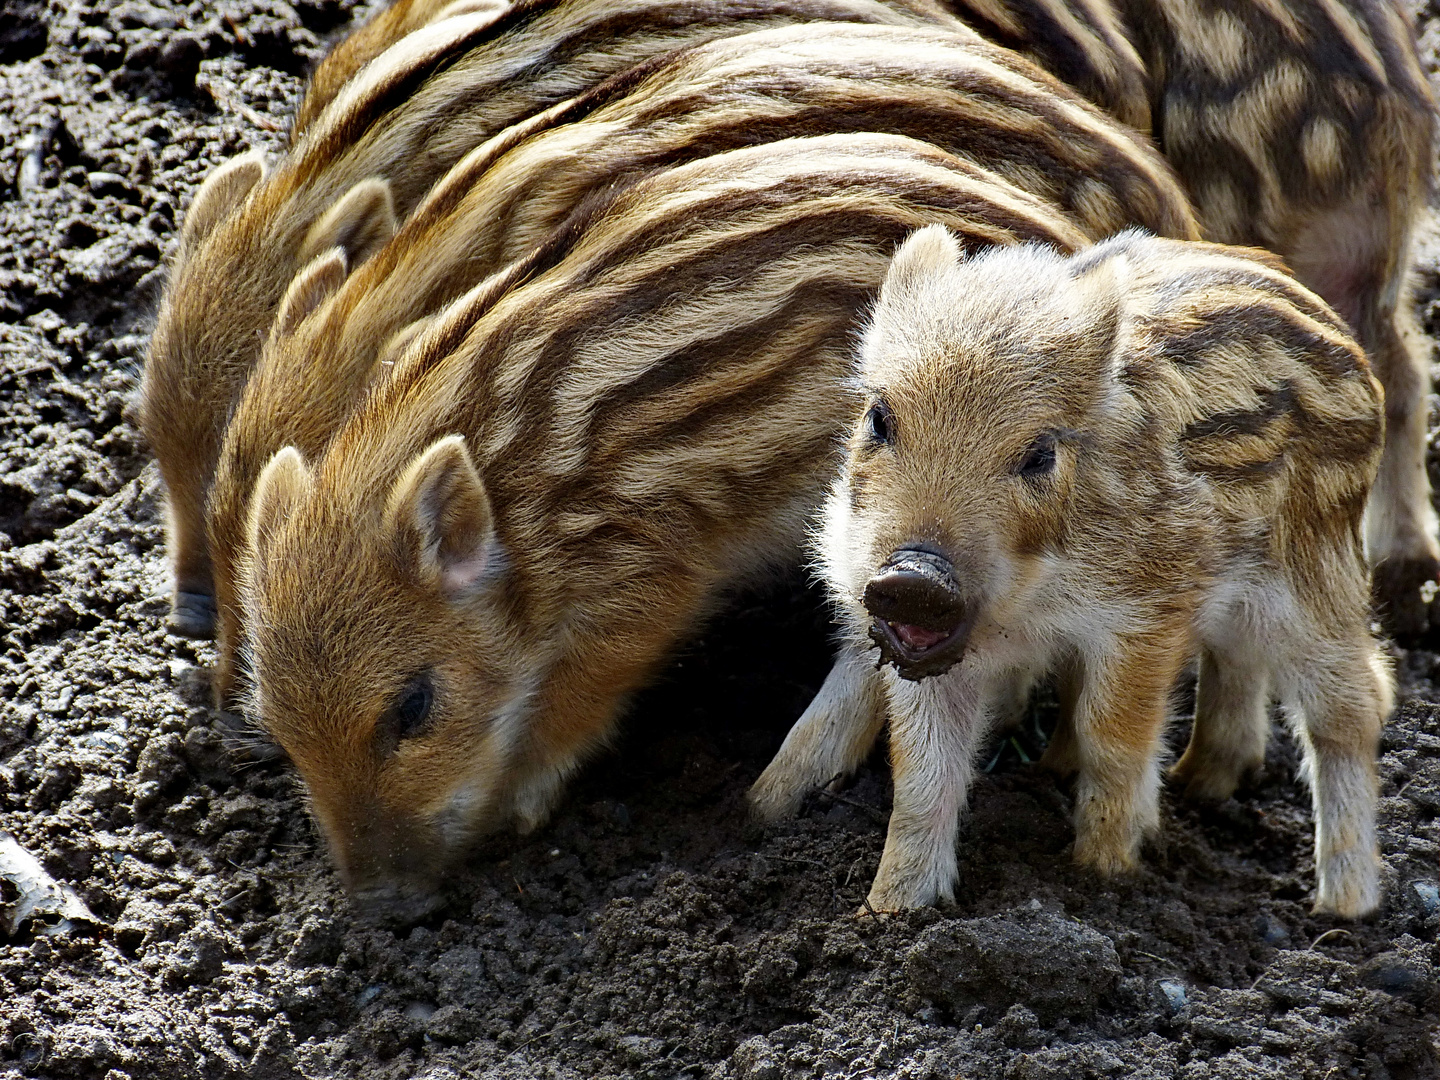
[[936, 727], [1118, 720], [831, 739]]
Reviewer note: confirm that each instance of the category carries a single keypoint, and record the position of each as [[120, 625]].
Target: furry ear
[[283, 485], [440, 516], [311, 287], [471, 7], [360, 223], [222, 191], [1095, 302], [925, 253]]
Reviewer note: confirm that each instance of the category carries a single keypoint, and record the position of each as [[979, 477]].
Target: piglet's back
[[1257, 380]]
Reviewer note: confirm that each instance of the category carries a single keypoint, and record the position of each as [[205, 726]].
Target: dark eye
[[1039, 459], [409, 715], [878, 423]]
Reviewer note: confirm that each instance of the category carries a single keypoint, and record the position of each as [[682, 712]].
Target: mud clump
[[1053, 966]]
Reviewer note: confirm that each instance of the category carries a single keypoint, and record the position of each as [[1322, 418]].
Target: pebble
[[1174, 993]]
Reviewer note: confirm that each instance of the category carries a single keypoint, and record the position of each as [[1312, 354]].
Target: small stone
[[419, 1010], [1271, 930], [369, 994], [106, 183], [1173, 992], [1401, 976], [1427, 896]]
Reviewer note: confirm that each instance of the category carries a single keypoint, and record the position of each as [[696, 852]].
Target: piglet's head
[[984, 381], [382, 663]]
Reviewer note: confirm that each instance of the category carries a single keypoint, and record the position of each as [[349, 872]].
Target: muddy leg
[[832, 737], [1119, 717], [1344, 693], [1232, 722], [936, 728]]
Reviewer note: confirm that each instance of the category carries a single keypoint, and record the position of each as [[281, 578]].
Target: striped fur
[[1127, 458], [967, 97], [403, 120], [1303, 126], [361, 46], [552, 487], [1308, 128], [1320, 157]]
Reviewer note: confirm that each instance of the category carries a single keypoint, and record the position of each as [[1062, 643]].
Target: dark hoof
[[192, 615], [1404, 591]]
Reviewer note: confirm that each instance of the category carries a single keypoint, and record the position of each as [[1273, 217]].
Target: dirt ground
[[649, 931]]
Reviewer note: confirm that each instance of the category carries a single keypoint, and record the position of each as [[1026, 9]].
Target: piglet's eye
[[409, 713], [879, 425], [1039, 459]]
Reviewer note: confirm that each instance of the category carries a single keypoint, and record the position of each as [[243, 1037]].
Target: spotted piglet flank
[[1101, 466]]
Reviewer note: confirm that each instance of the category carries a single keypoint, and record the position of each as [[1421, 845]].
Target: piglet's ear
[[440, 516], [222, 191], [927, 252], [311, 287], [360, 223], [283, 485], [471, 7]]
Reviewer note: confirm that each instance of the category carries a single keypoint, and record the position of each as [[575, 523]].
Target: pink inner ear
[[461, 576]]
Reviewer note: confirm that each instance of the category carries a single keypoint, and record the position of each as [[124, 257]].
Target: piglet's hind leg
[[1344, 694], [1232, 720]]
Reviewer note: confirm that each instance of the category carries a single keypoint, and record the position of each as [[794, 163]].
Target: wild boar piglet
[[370, 149], [1101, 466]]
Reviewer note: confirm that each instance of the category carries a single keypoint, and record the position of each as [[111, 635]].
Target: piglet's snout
[[922, 616]]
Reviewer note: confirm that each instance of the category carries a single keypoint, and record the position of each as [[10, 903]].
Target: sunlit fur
[[1218, 432], [405, 118], [1305, 127], [369, 41], [652, 419], [967, 97]]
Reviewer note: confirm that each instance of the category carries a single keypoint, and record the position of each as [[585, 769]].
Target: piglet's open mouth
[[916, 652], [922, 619]]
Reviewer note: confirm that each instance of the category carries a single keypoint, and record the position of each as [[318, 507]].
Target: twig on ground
[[866, 808]]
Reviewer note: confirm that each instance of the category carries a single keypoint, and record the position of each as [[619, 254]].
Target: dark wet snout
[[396, 904], [922, 616]]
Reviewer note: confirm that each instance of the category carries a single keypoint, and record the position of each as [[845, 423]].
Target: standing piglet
[[1102, 466]]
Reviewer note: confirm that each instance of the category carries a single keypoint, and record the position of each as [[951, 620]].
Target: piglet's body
[[1101, 466], [551, 488], [969, 98]]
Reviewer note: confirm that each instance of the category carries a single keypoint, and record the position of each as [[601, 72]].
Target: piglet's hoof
[[1403, 591], [193, 615]]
